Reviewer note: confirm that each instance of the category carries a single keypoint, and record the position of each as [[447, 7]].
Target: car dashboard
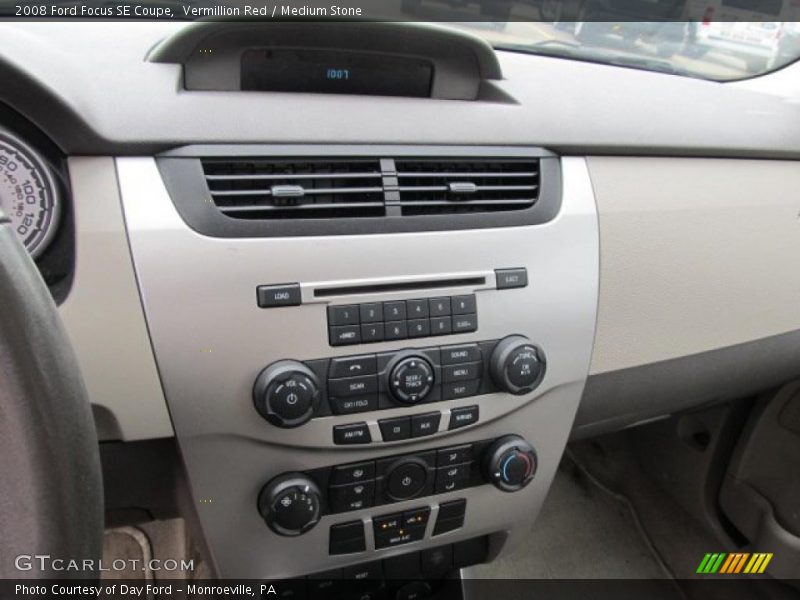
[[373, 319]]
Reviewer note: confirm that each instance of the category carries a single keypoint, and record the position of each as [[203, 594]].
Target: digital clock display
[[327, 72]]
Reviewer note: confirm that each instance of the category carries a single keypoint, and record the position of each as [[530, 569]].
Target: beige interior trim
[[695, 254]]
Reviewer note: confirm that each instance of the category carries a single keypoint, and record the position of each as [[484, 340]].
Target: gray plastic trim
[[103, 313], [211, 341]]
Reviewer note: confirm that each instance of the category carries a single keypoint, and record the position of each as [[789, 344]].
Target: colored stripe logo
[[734, 563]]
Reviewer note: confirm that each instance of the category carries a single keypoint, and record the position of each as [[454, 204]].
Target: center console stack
[[372, 355]]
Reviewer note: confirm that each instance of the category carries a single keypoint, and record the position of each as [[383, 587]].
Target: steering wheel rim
[[51, 497]]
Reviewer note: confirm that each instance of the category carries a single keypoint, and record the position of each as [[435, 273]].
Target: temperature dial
[[290, 504], [411, 379], [286, 393], [509, 463], [517, 366]]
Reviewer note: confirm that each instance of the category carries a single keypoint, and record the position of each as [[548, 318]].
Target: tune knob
[[517, 366], [290, 504], [411, 379], [509, 463], [286, 393]]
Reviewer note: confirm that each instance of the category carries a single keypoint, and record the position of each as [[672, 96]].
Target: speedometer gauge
[[28, 194]]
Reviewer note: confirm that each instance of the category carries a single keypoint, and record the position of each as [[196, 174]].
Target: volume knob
[[286, 393]]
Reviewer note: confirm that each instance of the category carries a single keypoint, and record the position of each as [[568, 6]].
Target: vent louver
[[295, 189], [434, 186], [321, 188]]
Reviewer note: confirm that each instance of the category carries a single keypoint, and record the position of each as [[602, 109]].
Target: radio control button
[[344, 336], [452, 355], [411, 379], [395, 429], [354, 404], [352, 366], [460, 389], [353, 386], [461, 372], [271, 296], [427, 424], [354, 433], [465, 323], [461, 417]]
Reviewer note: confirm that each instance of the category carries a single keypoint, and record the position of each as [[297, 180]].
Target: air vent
[[435, 186], [296, 189], [325, 188]]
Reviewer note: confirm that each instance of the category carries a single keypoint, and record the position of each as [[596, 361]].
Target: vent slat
[[470, 174], [309, 192], [294, 176], [269, 207]]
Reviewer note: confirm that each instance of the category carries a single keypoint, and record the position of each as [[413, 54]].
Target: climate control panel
[[293, 503], [289, 393]]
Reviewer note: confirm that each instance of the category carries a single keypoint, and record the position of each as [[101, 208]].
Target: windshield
[[711, 50]]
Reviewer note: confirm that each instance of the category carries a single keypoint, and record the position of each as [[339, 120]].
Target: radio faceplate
[[211, 341]]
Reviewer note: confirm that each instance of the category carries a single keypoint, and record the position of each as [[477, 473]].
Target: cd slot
[[398, 286]]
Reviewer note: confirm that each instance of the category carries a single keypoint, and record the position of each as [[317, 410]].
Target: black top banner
[[697, 11]]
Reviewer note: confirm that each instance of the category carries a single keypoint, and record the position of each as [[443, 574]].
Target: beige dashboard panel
[[103, 314], [695, 254]]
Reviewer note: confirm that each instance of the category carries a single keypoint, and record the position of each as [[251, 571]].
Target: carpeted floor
[[583, 532]]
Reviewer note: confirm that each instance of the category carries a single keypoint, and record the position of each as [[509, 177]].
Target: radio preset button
[[343, 315], [417, 309], [395, 330], [439, 307], [394, 311], [371, 313], [463, 305], [465, 323], [441, 325]]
